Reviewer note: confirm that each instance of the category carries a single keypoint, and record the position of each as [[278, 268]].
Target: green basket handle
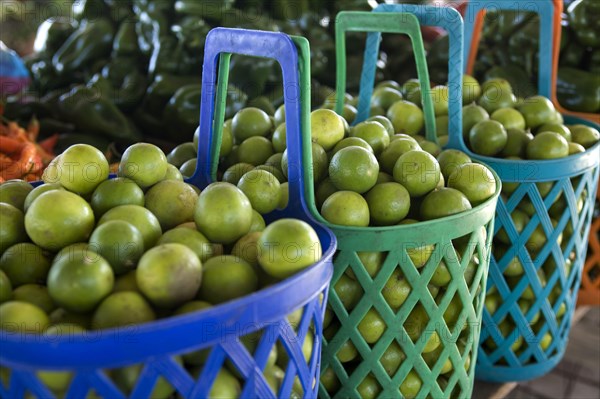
[[360, 21]]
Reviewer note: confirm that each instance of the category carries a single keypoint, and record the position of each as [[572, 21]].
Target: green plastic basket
[[462, 242]]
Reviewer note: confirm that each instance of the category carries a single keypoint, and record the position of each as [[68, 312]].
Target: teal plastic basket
[[519, 343]]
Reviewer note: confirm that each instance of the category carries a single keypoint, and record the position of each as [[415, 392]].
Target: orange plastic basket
[[558, 9], [589, 293]]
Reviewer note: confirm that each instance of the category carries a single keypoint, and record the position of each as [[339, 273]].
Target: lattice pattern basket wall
[[589, 293], [267, 344]]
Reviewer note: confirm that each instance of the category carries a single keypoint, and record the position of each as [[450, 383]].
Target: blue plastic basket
[[154, 345], [576, 179]]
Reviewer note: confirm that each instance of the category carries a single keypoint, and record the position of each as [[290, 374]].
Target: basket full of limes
[[549, 170], [143, 285], [413, 225], [590, 278]]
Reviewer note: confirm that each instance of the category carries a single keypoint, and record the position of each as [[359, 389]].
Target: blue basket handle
[[376, 24], [545, 9], [449, 19], [220, 44]]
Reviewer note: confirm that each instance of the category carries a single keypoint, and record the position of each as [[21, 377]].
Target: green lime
[[17, 316], [346, 208], [537, 111], [384, 97], [182, 153], [14, 192], [172, 202], [255, 150], [82, 167], [492, 100], [385, 122], [516, 143], [472, 114], [250, 122], [488, 138], [418, 171], [369, 388], [169, 275], [262, 189], [120, 243], [475, 181], [471, 89], [192, 239], [450, 160], [388, 203], [115, 192], [584, 135], [557, 128], [327, 128], [349, 142], [39, 190], [225, 278], [279, 139], [443, 202], [35, 294], [223, 213], [234, 173], [372, 326], [143, 163], [440, 97], [323, 191], [140, 218], [188, 168], [547, 145], [354, 169], [122, 309], [5, 288], [406, 117], [373, 133], [510, 118]]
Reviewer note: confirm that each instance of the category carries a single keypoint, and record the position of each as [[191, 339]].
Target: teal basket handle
[[359, 21], [221, 43], [545, 9], [449, 19]]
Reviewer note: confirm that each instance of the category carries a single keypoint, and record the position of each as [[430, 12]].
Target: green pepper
[[595, 61], [578, 90], [91, 113], [181, 115], [208, 9], [52, 33], [516, 76], [89, 10], [120, 10], [150, 26], [572, 55], [167, 56], [126, 41], [162, 89], [128, 83], [92, 41], [192, 32], [584, 19], [251, 73]]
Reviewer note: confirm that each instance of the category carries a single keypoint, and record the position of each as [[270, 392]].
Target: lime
[[62, 316], [557, 128], [450, 160], [58, 381], [346, 208], [126, 378], [441, 125], [373, 133], [284, 196], [53, 227], [388, 203], [389, 83], [389, 127], [488, 138], [140, 218], [13, 229], [537, 111], [223, 213], [115, 192], [492, 99], [510, 118], [126, 282], [327, 128], [410, 85], [39, 190], [471, 89], [389, 156], [396, 290], [320, 162], [496, 84], [143, 163], [225, 278], [411, 385], [258, 222], [519, 219], [472, 114], [383, 177], [475, 181], [250, 122], [406, 117], [246, 248], [288, 246], [262, 189], [173, 173], [575, 148], [279, 138], [349, 142], [192, 239], [443, 202], [415, 326], [169, 275], [17, 316], [14, 192], [418, 171], [354, 169], [226, 139], [323, 191], [188, 168], [372, 326], [384, 97], [255, 150], [516, 143], [120, 243], [122, 309], [279, 115], [79, 282], [234, 173], [369, 388], [431, 148], [5, 288], [348, 291], [584, 135], [82, 167], [547, 145], [349, 113], [182, 153], [172, 202], [440, 97], [36, 294]]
